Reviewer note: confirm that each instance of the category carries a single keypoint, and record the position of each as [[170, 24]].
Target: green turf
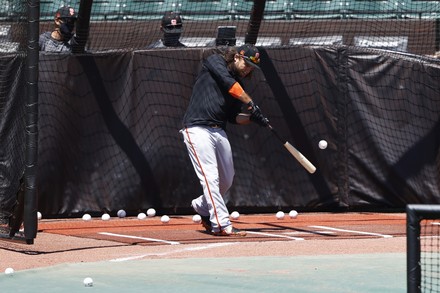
[[328, 273]]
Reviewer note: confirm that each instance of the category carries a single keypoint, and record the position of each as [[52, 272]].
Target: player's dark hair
[[229, 56]]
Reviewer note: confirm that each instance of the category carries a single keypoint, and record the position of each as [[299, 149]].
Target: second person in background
[[171, 27]]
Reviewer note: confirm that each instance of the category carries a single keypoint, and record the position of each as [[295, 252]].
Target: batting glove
[[256, 115]]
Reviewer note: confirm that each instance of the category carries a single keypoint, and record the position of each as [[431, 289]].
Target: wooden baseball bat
[[295, 153]]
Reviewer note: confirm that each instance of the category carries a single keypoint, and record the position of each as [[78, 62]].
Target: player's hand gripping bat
[[295, 153]]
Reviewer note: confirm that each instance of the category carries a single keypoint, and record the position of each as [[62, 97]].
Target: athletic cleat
[[230, 231], [206, 223]]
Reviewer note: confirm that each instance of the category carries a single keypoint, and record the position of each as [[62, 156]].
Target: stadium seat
[[274, 9], [316, 9], [372, 9], [48, 9], [205, 9], [420, 9], [4, 10], [17, 9], [6, 45], [5, 30], [146, 9], [105, 10]]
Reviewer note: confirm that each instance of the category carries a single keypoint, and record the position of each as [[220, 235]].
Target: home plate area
[[260, 227]]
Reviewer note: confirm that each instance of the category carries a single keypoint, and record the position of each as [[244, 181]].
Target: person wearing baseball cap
[[217, 99], [250, 55], [171, 27], [62, 37]]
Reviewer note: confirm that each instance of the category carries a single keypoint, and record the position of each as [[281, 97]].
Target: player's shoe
[[230, 231], [206, 223]]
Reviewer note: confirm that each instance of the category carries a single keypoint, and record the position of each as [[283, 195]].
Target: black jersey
[[210, 103]]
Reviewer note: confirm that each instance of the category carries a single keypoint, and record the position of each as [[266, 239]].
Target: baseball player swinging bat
[[295, 153]]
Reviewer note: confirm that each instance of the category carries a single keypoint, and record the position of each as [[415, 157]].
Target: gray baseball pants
[[210, 153]]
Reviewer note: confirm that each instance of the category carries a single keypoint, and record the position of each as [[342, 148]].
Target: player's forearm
[[238, 92], [245, 98]]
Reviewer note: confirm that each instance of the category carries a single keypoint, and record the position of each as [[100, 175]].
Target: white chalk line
[[140, 238], [274, 235], [352, 231], [310, 232], [196, 248]]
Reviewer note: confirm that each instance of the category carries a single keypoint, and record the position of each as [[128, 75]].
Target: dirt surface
[[75, 241]]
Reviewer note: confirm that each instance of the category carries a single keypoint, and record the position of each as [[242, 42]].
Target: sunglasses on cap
[[253, 59]]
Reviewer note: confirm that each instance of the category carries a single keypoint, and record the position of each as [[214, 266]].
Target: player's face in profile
[[242, 67]]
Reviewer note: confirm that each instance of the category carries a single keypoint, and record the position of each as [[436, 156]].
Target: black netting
[[13, 38], [109, 130], [403, 25], [360, 74], [430, 256]]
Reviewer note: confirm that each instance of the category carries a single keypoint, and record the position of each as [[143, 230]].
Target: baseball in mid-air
[[293, 214], [165, 219], [39, 216], [151, 212], [197, 219], [322, 144], [235, 215], [280, 215]]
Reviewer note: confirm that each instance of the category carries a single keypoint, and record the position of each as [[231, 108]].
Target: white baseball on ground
[[197, 219], [88, 282], [280, 215], [293, 214], [165, 219], [105, 217], [322, 144], [235, 215], [121, 214], [142, 216], [86, 217], [151, 212], [9, 271]]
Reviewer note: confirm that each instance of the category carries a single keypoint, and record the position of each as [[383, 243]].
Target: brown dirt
[[74, 240]]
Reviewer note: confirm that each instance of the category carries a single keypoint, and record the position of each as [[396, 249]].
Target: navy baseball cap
[[172, 22], [65, 12], [250, 54]]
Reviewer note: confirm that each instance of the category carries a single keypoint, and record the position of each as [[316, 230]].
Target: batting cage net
[[423, 248], [361, 75], [13, 41], [398, 25]]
